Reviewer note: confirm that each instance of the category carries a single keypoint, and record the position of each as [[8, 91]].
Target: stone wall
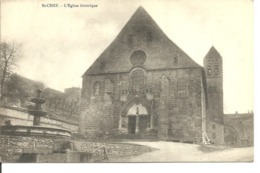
[[21, 117], [11, 147], [215, 100], [214, 73], [113, 150], [215, 132], [176, 107], [239, 129]]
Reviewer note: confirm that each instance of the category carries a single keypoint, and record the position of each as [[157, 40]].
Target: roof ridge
[[212, 51], [141, 32]]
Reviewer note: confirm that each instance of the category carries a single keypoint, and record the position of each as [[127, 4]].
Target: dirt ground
[[180, 152]]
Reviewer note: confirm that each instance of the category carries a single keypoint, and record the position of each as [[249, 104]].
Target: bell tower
[[214, 76]]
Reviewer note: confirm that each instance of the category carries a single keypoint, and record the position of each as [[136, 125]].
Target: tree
[[53, 98], [19, 87], [58, 99], [64, 103], [9, 55], [73, 106]]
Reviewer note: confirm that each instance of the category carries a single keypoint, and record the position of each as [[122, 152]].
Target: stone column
[[120, 122], [36, 120], [120, 117], [151, 126], [137, 125]]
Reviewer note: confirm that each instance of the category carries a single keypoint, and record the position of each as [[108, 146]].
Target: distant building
[[239, 129], [73, 92], [144, 84]]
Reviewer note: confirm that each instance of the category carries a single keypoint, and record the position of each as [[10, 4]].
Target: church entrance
[[142, 123], [135, 125], [131, 124], [137, 119]]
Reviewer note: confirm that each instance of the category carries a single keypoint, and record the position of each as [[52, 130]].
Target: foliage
[[9, 56], [62, 104], [18, 87]]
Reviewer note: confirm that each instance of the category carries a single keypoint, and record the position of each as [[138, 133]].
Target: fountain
[[37, 112], [38, 143], [36, 129]]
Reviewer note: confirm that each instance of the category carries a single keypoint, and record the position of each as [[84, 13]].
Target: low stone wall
[[113, 150], [11, 147], [21, 117]]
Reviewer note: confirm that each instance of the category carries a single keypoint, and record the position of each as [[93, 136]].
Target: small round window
[[138, 58]]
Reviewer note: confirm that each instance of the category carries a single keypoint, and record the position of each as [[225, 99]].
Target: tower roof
[[140, 33], [213, 53]]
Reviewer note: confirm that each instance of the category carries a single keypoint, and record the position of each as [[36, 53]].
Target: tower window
[[209, 70], [213, 126], [216, 69]]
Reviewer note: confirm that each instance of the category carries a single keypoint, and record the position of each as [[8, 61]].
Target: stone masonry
[[144, 82], [13, 146]]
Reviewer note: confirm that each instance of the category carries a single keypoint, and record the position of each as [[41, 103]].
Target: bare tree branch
[[8, 60]]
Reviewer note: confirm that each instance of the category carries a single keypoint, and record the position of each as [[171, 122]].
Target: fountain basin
[[37, 113], [19, 130], [38, 100]]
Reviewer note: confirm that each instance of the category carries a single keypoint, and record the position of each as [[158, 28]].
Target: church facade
[[144, 84]]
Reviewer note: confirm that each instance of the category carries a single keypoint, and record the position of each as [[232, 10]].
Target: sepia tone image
[[126, 81]]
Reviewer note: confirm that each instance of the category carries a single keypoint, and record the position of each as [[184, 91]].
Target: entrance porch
[[137, 124], [137, 119]]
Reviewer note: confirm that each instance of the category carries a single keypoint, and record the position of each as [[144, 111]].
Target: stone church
[[144, 84]]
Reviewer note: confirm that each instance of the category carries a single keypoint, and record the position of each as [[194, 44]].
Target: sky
[[60, 44]]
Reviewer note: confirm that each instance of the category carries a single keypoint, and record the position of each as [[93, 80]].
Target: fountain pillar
[[37, 112], [36, 129], [36, 121]]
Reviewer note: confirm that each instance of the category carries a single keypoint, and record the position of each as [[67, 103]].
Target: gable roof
[[213, 53], [140, 33]]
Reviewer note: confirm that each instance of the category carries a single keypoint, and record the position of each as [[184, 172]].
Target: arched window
[[96, 88], [138, 80], [109, 86], [181, 87], [165, 84]]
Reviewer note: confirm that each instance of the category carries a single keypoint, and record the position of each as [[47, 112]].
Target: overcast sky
[[59, 44]]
